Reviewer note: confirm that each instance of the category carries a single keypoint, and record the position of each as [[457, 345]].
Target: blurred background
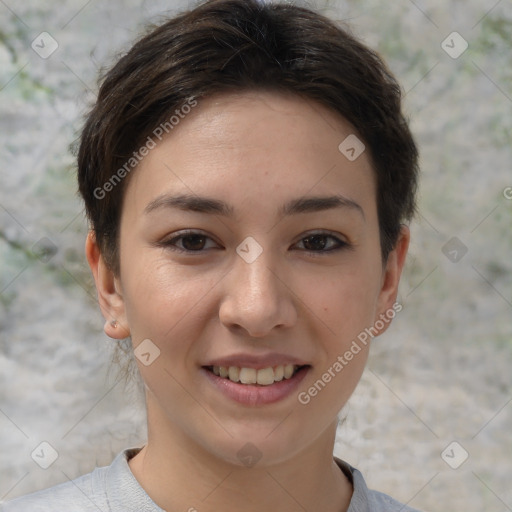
[[431, 420]]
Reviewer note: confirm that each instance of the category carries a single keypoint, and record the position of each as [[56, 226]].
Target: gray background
[[442, 371]]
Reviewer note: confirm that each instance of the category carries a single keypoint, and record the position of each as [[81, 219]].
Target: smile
[[256, 386], [262, 377]]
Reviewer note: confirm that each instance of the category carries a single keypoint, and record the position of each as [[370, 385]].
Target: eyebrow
[[305, 204]]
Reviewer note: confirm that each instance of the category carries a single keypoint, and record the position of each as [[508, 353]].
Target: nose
[[257, 299]]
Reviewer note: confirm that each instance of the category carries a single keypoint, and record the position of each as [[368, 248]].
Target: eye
[[190, 241], [323, 242]]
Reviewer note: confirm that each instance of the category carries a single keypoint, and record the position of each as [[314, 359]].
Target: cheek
[[163, 303], [345, 300], [346, 307], [168, 310]]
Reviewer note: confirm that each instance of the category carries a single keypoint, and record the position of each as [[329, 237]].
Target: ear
[[391, 278], [108, 287]]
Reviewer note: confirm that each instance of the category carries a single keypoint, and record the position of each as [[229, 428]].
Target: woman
[[247, 173]]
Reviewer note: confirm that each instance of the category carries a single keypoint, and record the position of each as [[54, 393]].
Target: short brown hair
[[225, 46]]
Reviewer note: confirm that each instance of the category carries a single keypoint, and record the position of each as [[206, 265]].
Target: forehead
[[256, 120], [269, 143]]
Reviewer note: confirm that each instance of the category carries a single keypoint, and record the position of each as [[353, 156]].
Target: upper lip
[[256, 362]]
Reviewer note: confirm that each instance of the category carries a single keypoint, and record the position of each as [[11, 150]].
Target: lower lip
[[252, 394]]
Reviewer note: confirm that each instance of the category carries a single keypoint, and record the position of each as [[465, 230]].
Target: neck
[[178, 474]]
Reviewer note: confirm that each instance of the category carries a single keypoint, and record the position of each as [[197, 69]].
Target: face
[[249, 246]]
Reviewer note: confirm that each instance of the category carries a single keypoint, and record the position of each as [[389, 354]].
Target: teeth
[[263, 377], [288, 371], [248, 375], [234, 373]]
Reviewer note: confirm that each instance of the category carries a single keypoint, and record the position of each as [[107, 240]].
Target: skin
[[255, 151]]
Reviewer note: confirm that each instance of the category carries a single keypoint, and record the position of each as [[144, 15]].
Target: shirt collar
[[123, 490], [125, 493], [360, 496]]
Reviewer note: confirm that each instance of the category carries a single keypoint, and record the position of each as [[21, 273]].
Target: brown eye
[[188, 241], [193, 242], [322, 242]]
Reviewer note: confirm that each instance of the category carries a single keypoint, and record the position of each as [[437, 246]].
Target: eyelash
[[171, 243]]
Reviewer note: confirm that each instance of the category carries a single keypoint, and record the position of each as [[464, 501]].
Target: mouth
[[256, 386], [261, 377]]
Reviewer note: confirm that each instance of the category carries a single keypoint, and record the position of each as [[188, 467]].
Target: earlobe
[[391, 276], [110, 300]]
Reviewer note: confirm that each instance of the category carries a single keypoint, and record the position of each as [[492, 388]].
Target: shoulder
[[88, 493], [110, 488], [367, 500], [79, 495], [383, 503]]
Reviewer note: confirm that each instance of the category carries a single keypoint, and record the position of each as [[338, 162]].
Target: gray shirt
[[114, 489]]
